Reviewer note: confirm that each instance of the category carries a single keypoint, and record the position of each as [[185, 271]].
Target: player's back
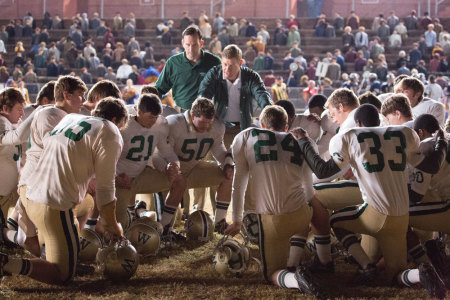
[[379, 156], [76, 149], [277, 170], [9, 159]]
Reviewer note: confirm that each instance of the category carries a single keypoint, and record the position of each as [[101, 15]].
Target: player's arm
[[164, 83], [207, 86], [433, 161], [221, 155], [167, 157], [106, 157], [18, 135], [240, 181]]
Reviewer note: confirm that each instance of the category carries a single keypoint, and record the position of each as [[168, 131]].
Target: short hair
[[149, 89], [68, 84], [367, 114], [288, 107], [369, 97], [203, 107], [274, 117], [109, 108], [343, 96], [317, 100], [103, 89], [192, 30], [149, 103], [232, 51], [397, 102], [426, 122], [47, 91], [10, 97], [413, 84], [399, 78]]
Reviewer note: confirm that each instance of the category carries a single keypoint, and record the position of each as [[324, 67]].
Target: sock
[[409, 277], [18, 266], [221, 211], [359, 255], [323, 248], [418, 254], [167, 215], [12, 224], [296, 250], [10, 235], [91, 223], [286, 279]]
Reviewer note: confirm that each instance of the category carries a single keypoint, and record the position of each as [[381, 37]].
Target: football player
[[192, 135], [100, 90], [271, 159], [75, 150], [382, 180], [146, 131]]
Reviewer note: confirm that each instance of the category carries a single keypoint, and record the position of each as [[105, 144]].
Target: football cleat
[[170, 235], [199, 226], [436, 253], [250, 228], [364, 276], [90, 242], [230, 258], [144, 238], [315, 266], [306, 282], [220, 226], [431, 281], [119, 261]]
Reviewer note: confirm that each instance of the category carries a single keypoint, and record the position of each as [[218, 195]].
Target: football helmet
[[90, 242], [119, 261], [144, 238], [230, 257], [250, 228], [149, 222], [199, 226]]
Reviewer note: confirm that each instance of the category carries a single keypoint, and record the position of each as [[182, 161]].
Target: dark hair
[[68, 84], [426, 122], [192, 30], [149, 89], [288, 107], [47, 91], [397, 102], [274, 117], [203, 107], [367, 114], [369, 97], [10, 97], [149, 103], [109, 108], [317, 100], [103, 89]]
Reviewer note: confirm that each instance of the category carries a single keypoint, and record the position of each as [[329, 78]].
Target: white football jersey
[[432, 107], [28, 110], [378, 156], [273, 163], [77, 149], [43, 123], [313, 128], [85, 111], [9, 161], [139, 144], [191, 146], [329, 129], [166, 110]]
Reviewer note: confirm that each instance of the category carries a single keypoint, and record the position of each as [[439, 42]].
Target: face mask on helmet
[[250, 228], [230, 257], [118, 262]]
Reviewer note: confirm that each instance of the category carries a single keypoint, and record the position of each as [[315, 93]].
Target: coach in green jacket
[[233, 88]]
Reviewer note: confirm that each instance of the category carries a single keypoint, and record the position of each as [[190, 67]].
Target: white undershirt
[[234, 95]]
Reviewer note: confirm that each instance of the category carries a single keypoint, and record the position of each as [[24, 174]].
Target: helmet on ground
[[149, 222], [250, 228], [199, 226], [144, 238], [90, 242], [230, 257]]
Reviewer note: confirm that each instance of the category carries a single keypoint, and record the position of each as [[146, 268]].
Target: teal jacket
[[214, 87]]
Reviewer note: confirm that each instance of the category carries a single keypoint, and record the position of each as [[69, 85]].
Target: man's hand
[[172, 170], [123, 181], [113, 232], [228, 171], [233, 229], [299, 133]]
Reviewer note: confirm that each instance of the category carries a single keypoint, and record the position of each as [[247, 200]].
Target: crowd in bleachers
[[361, 54]]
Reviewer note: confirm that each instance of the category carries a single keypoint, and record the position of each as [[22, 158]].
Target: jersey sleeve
[[107, 154], [16, 136], [165, 150], [240, 180], [339, 151], [219, 150], [164, 83], [420, 182], [413, 155]]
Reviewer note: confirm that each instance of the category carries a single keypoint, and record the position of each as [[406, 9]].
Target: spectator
[[30, 76], [268, 60], [421, 68], [437, 50], [17, 72], [347, 37], [414, 55], [298, 73], [361, 38], [4, 36], [94, 23], [162, 64], [351, 55], [101, 30], [117, 22], [425, 21], [19, 47], [381, 71], [291, 22], [353, 20], [430, 37], [242, 27], [108, 37], [80, 62], [94, 62], [18, 60], [435, 63], [129, 92], [2, 47], [392, 21], [110, 75], [132, 45], [258, 62], [395, 40], [326, 89], [39, 60], [136, 60], [175, 51], [217, 23], [265, 36], [52, 68], [401, 58], [54, 52], [293, 36], [4, 75], [132, 19], [338, 22], [86, 77], [279, 37], [309, 91], [287, 61], [47, 21], [84, 24], [185, 21], [251, 29], [88, 50], [279, 90], [339, 59], [224, 38], [77, 38], [44, 36], [206, 29], [330, 31], [434, 90], [311, 71], [384, 31], [438, 28], [166, 38], [107, 59], [334, 70], [377, 22], [10, 29], [377, 49], [269, 78], [57, 22], [369, 66], [61, 70], [403, 70], [320, 27], [150, 75], [401, 29], [2, 60], [215, 46], [129, 30], [134, 75], [411, 21], [148, 56], [202, 18], [124, 70]]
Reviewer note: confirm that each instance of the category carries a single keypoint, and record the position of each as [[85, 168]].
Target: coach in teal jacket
[[242, 83]]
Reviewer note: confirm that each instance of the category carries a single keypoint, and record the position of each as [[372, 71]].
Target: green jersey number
[[69, 133], [134, 153], [288, 144], [189, 149], [18, 155], [379, 166]]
